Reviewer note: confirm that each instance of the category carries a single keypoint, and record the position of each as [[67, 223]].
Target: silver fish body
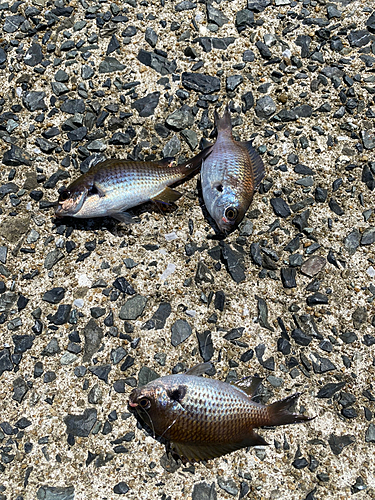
[[112, 187], [229, 176], [204, 418]]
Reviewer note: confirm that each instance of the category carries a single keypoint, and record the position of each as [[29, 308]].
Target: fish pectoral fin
[[199, 369], [256, 162], [126, 218], [248, 385], [168, 195], [197, 452], [166, 162]]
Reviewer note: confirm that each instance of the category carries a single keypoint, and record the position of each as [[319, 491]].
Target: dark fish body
[[204, 418], [229, 176], [112, 187]]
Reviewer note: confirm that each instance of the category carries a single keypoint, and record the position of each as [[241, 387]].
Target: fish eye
[[144, 403], [64, 195], [231, 213]]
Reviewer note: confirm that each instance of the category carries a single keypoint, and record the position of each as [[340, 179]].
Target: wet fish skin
[[229, 176], [112, 187], [204, 418]]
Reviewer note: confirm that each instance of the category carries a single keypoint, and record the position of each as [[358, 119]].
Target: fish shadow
[[111, 224]]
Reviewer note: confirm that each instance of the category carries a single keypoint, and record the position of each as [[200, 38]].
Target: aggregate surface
[[90, 309]]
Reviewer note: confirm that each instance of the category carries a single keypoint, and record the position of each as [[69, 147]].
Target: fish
[[202, 418], [229, 176], [112, 187]]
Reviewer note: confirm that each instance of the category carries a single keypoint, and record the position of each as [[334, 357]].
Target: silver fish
[[229, 176], [203, 418], [112, 187]]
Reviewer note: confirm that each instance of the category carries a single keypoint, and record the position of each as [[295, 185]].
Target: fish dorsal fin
[[197, 452], [199, 369], [248, 385], [168, 195], [256, 162]]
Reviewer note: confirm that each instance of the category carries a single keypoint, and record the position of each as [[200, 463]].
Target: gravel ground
[[89, 309]]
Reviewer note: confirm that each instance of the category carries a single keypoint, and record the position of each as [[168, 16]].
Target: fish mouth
[[132, 404], [71, 205]]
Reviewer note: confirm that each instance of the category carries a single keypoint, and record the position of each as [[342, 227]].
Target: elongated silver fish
[[229, 176], [204, 418], [112, 187]]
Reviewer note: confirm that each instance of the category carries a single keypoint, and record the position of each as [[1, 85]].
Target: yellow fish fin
[[256, 162], [168, 195], [248, 385], [199, 369]]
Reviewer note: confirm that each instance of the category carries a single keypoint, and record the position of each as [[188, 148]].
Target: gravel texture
[[90, 309]]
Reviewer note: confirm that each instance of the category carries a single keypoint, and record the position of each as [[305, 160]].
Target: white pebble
[[170, 269], [79, 303], [171, 236], [191, 313], [371, 272]]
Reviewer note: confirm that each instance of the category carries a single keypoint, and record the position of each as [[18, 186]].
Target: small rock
[[228, 485], [312, 266], [265, 107], [203, 491], [181, 330], [110, 65], [288, 277], [263, 314], [172, 147], [330, 389], [280, 207], [370, 434], [34, 55], [146, 105], [216, 16], [206, 347], [368, 236], [146, 375], [55, 493], [359, 317], [234, 262], [159, 318], [133, 308], [55, 295], [121, 488], [93, 335], [203, 274], [317, 299], [338, 443], [81, 425], [351, 242], [198, 82]]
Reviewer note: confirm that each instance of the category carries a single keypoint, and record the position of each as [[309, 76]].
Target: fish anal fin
[[168, 195], [194, 452], [199, 369], [126, 218], [248, 385], [256, 162]]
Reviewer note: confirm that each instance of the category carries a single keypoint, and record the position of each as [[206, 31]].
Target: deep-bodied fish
[[112, 187], [203, 418], [229, 176]]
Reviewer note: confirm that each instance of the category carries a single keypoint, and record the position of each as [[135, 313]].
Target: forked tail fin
[[223, 122], [279, 415]]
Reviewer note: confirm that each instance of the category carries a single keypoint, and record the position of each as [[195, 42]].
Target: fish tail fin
[[279, 414], [194, 164], [224, 122]]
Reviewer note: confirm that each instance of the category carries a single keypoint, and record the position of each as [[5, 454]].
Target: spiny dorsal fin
[[168, 195], [256, 162], [199, 369], [248, 385]]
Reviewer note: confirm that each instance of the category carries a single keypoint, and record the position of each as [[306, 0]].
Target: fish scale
[[203, 418]]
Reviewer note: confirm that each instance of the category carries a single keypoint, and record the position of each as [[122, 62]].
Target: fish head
[[158, 402], [228, 210], [71, 200]]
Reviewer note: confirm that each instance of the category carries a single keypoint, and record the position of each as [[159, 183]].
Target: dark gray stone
[[93, 335], [338, 443], [55, 493], [280, 207], [203, 491], [181, 330], [330, 389], [34, 55], [206, 347], [317, 299], [121, 488], [151, 37], [87, 72], [228, 485], [172, 147], [265, 107], [198, 82], [359, 317], [301, 337], [263, 313], [157, 62], [101, 371], [288, 277], [146, 375], [110, 65], [370, 434], [216, 16], [133, 308], [12, 23], [359, 38], [5, 361], [351, 242], [20, 389], [335, 207], [73, 106], [16, 156], [233, 81], [180, 118], [368, 236], [34, 101], [234, 262], [146, 105], [55, 295], [159, 318], [51, 348], [81, 425], [203, 274]]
